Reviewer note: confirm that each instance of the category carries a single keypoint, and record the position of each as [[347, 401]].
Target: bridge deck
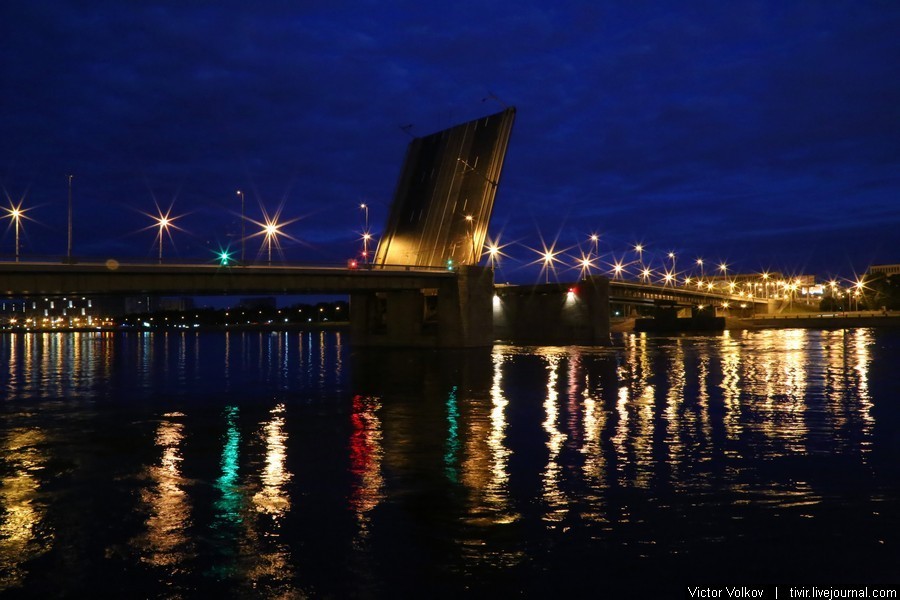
[[112, 277]]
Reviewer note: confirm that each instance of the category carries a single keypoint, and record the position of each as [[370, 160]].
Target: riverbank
[[792, 321], [327, 326]]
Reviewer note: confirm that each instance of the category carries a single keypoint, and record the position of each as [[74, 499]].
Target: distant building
[[258, 303], [51, 312], [886, 270], [148, 304]]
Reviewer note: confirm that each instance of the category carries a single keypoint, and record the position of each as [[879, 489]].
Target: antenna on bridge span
[[492, 96]]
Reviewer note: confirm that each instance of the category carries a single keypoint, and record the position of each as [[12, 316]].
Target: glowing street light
[[548, 258], [241, 194], [668, 278], [366, 237], [617, 270], [270, 230], [163, 223], [470, 228], [69, 251], [15, 214], [586, 263], [493, 251], [595, 243], [700, 264]]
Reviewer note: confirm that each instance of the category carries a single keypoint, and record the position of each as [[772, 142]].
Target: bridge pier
[[559, 314], [454, 314]]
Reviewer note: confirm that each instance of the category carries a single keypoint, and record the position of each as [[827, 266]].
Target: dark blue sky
[[765, 134]]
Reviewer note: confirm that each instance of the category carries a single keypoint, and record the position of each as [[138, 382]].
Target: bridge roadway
[[114, 277], [629, 292], [36, 278]]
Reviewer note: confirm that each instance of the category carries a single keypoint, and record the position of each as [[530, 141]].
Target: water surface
[[288, 465]]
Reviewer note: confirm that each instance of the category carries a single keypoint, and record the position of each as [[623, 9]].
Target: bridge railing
[[215, 262]]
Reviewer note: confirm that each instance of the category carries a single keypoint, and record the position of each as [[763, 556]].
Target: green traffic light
[[224, 257]]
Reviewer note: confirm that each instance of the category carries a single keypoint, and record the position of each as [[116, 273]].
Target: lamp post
[[493, 250], [271, 230], [163, 223], [366, 236], [16, 215], [548, 262], [470, 229], [241, 194], [69, 249]]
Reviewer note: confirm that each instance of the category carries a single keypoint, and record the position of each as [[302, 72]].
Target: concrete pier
[[558, 314], [454, 314]]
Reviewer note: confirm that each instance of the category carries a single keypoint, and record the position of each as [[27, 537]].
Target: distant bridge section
[[630, 292], [445, 195]]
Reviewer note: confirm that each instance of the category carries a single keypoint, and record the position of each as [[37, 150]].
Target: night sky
[[764, 134]]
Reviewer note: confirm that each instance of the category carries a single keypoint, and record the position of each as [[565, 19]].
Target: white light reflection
[[594, 467], [553, 495], [863, 341], [169, 511], [273, 498], [498, 486], [273, 558], [731, 385], [674, 401]]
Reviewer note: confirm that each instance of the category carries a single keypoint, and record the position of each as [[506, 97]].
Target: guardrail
[[36, 259], [832, 315]]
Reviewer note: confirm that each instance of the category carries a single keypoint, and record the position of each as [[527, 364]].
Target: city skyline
[[759, 135]]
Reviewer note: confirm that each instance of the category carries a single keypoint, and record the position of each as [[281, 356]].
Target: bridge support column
[[554, 313], [457, 314]]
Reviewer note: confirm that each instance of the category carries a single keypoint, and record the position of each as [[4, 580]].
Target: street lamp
[[365, 207], [163, 223], [366, 237], [270, 229], [586, 263], [595, 243], [69, 251], [548, 261], [241, 194], [493, 251], [700, 263], [470, 222], [15, 214]]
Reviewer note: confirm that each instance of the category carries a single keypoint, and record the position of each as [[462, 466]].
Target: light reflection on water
[[282, 464]]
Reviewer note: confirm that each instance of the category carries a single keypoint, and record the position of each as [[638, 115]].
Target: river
[[287, 465]]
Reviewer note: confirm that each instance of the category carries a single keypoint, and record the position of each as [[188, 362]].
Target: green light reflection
[[451, 455]]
